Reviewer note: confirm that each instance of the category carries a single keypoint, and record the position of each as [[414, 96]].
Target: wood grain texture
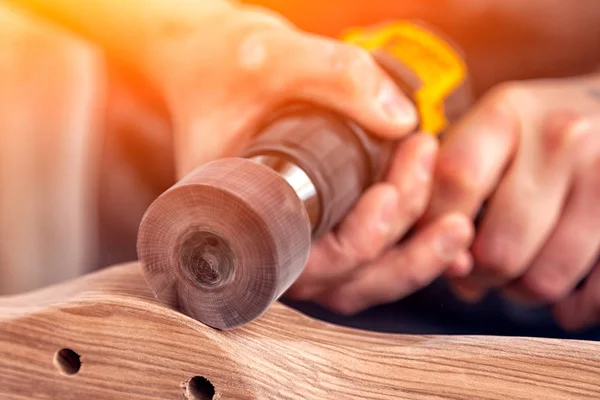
[[225, 242], [133, 347]]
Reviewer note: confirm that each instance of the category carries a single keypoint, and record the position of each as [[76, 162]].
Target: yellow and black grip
[[341, 158]]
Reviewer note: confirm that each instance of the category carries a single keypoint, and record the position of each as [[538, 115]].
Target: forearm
[[127, 29]]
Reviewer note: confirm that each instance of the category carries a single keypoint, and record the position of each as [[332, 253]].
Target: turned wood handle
[[340, 158]]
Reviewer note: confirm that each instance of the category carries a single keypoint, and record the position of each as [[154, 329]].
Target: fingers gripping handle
[[229, 239], [339, 158]]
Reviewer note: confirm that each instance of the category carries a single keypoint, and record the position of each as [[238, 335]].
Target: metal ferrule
[[298, 180]]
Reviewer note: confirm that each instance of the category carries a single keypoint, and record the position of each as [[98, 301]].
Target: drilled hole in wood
[[199, 388], [67, 361]]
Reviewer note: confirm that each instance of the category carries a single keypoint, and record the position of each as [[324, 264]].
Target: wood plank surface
[[132, 347]]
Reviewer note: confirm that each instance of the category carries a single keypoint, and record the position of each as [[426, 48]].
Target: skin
[[217, 91], [528, 150], [539, 151], [365, 263], [259, 61], [532, 152]]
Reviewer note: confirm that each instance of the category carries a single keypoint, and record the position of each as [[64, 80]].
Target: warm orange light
[[334, 16]]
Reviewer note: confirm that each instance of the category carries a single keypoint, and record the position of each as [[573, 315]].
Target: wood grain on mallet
[[130, 346], [261, 225], [225, 242]]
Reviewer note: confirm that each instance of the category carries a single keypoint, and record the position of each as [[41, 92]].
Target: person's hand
[[531, 151], [222, 76], [361, 264]]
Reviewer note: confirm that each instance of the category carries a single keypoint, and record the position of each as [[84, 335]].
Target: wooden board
[[132, 347]]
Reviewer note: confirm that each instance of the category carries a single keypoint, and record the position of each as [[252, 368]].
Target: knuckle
[[405, 270], [463, 167], [252, 55], [415, 208], [509, 94], [357, 249], [254, 63], [563, 131], [546, 288], [259, 51], [361, 252], [497, 256], [346, 253], [353, 66], [418, 280], [324, 252], [456, 176]]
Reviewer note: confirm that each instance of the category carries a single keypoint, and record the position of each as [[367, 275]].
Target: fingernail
[[452, 239], [395, 105], [468, 293]]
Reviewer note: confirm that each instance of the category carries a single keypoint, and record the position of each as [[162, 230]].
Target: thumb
[[337, 75]]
